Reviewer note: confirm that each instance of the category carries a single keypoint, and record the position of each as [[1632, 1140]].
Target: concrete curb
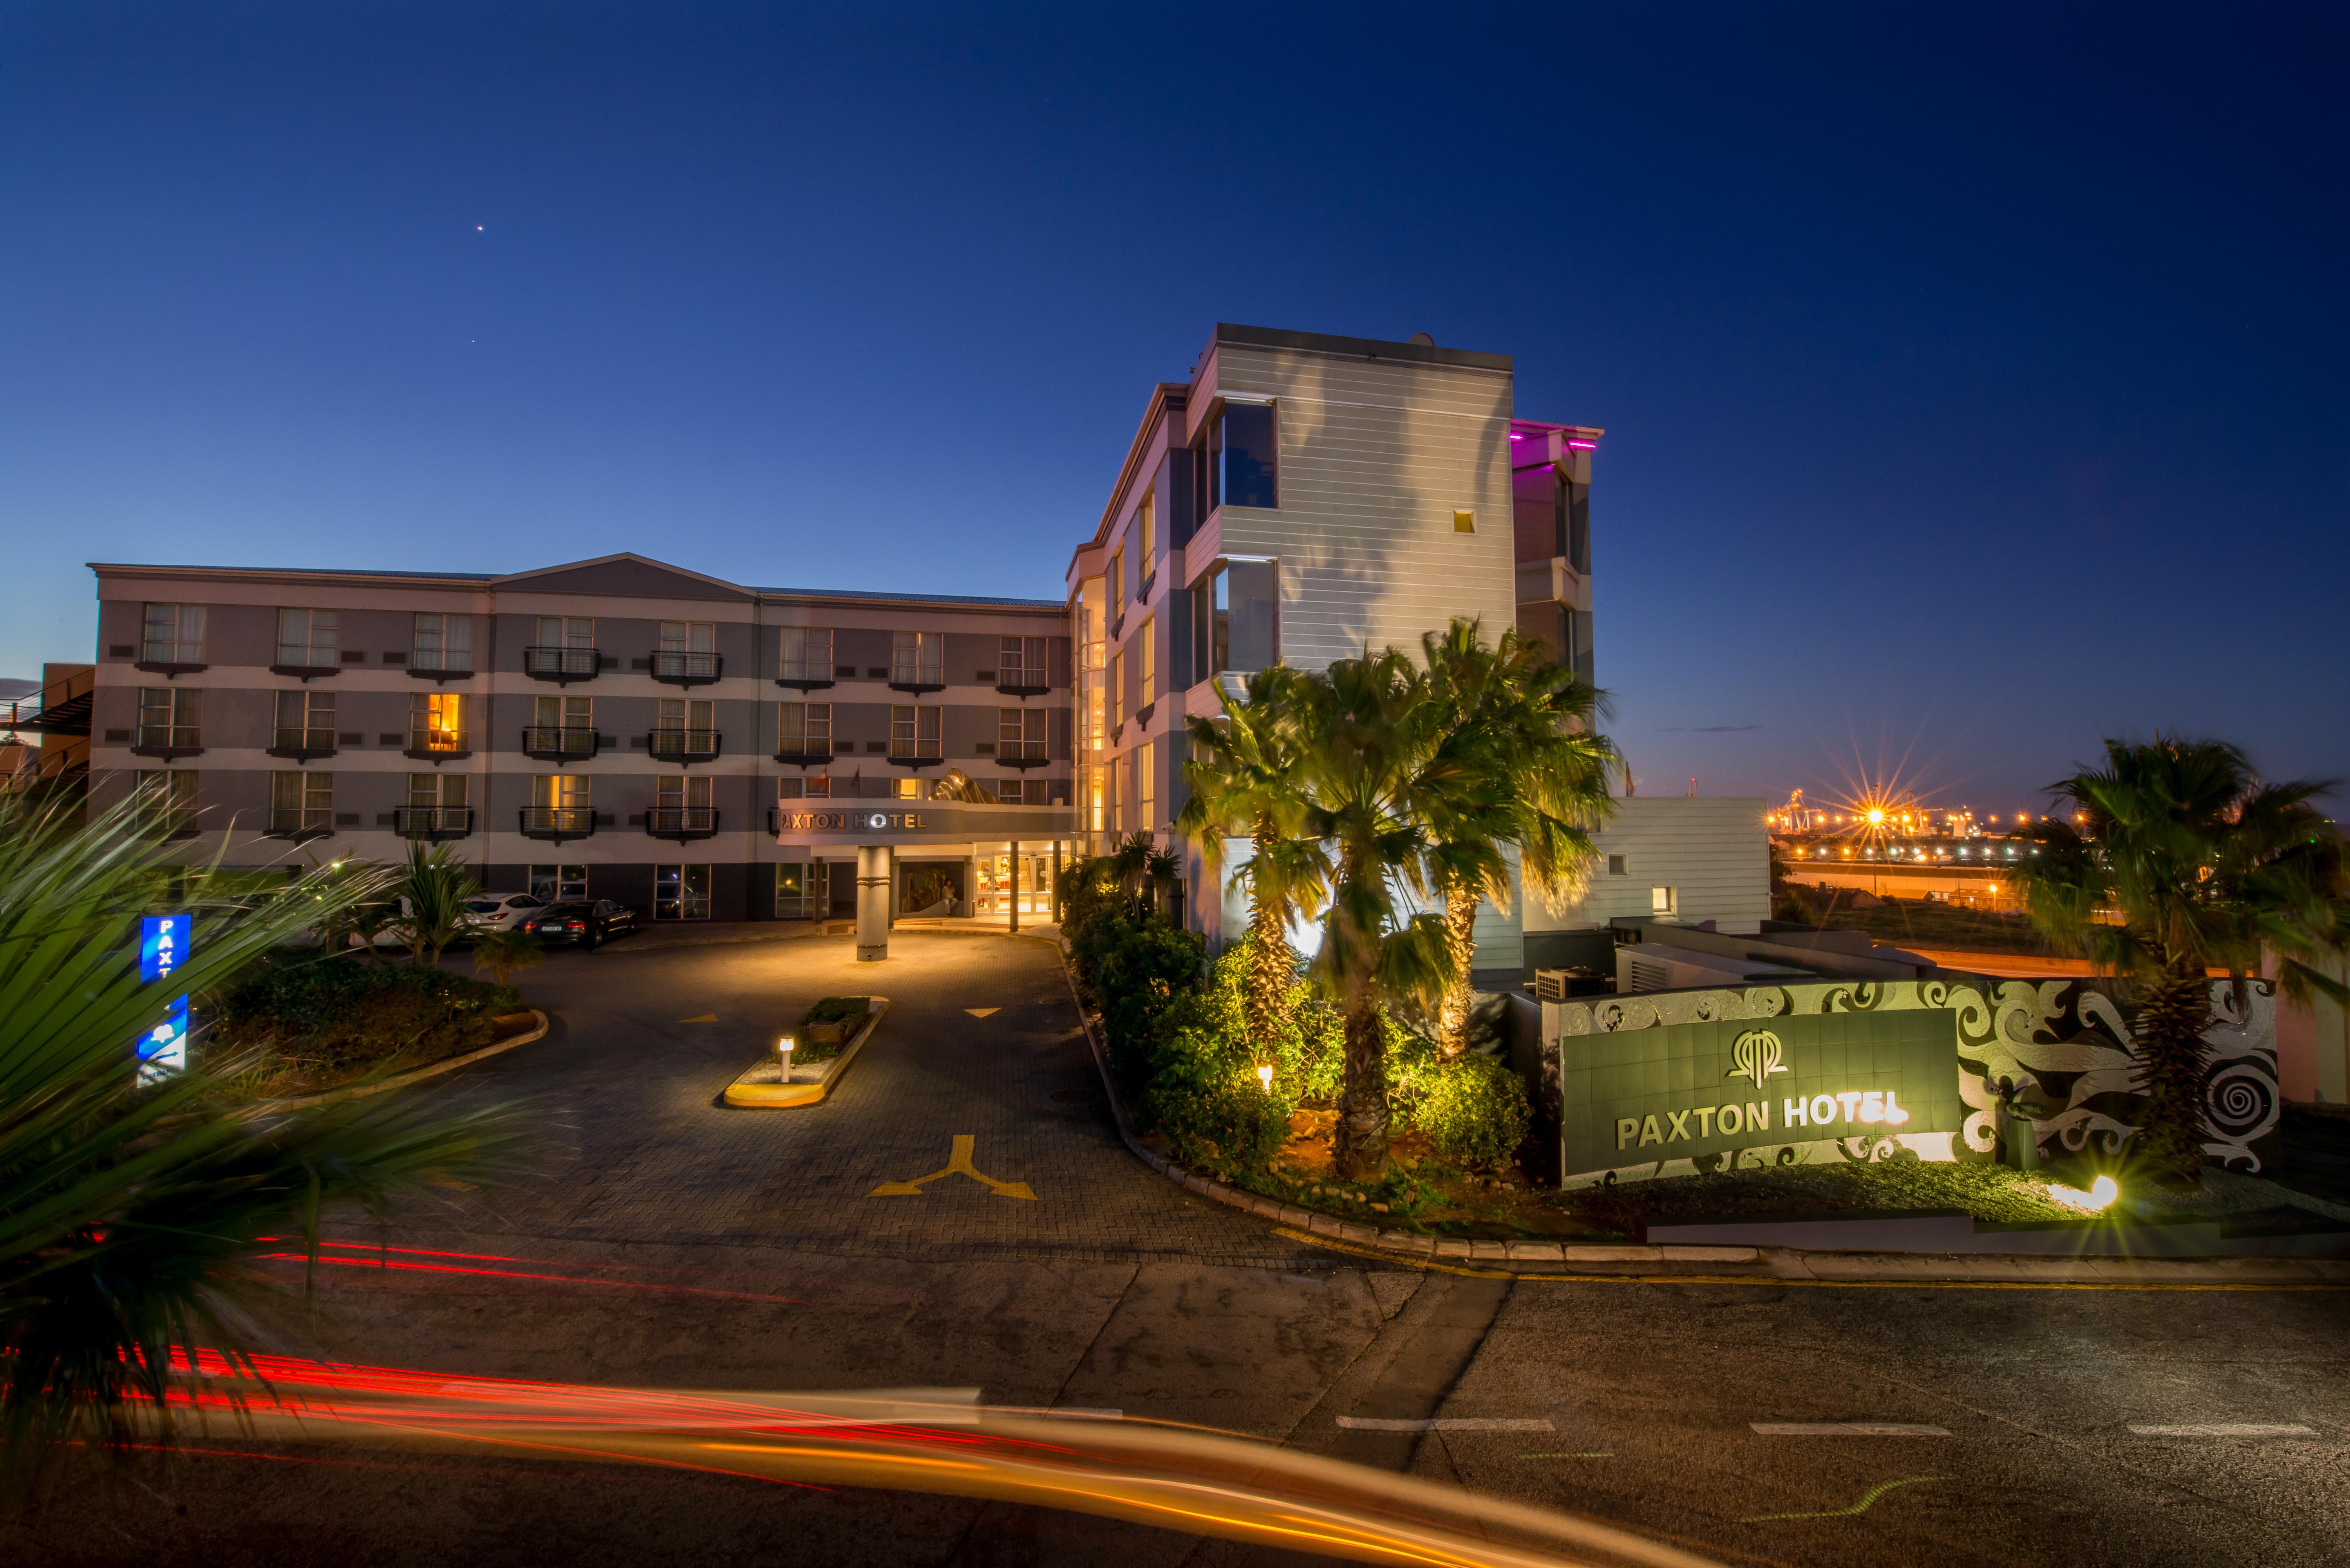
[[1764, 1266], [787, 1096], [360, 1091]]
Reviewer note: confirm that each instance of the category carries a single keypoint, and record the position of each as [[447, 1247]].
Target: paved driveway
[[981, 1041]]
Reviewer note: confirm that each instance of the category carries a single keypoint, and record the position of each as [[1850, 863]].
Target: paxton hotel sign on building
[[1640, 1089]]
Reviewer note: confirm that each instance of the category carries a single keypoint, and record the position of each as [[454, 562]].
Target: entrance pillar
[[872, 902], [1015, 887], [1056, 881]]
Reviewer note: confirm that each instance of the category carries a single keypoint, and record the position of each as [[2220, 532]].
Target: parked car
[[586, 925], [500, 911]]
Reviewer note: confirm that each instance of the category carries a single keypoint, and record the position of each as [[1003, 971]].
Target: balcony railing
[[171, 657], [913, 753], [433, 821], [557, 822], [431, 664], [61, 708], [1021, 753], [559, 742], [300, 822], [439, 745], [904, 677], [805, 676], [682, 822], [301, 744], [682, 745], [563, 665], [168, 740], [686, 669], [1015, 681], [801, 753]]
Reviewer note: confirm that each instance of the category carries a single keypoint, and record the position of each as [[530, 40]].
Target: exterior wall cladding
[[353, 746], [1299, 497]]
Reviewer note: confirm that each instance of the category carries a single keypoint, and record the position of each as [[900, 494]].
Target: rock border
[[748, 1096], [362, 1090]]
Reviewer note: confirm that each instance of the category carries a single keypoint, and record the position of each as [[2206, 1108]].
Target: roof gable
[[626, 576]]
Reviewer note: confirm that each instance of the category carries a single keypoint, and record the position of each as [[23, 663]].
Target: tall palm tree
[[1245, 780], [130, 1213], [1518, 767], [433, 886], [2205, 867], [1373, 733]]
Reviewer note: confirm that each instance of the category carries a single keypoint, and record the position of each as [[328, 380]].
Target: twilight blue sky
[[1973, 379]]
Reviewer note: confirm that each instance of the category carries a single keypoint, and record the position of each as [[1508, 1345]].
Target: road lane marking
[[982, 1012], [2223, 1429], [705, 1018], [1084, 1413], [1848, 1429], [958, 1164], [1871, 1495], [1447, 1424]]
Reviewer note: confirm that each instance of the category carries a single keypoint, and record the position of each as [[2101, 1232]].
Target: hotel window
[[436, 720], [1020, 733], [914, 731], [807, 654], [442, 791], [1023, 662], [684, 713], [815, 786], [1664, 901], [1117, 689], [558, 884], [301, 802], [172, 717], [566, 631], [689, 636], [309, 639], [563, 712], [441, 642], [172, 634], [800, 890], [1148, 646], [562, 792], [1145, 788], [1146, 532], [804, 729], [918, 658], [910, 789], [682, 793], [1117, 583], [1236, 463], [1091, 783], [167, 801], [680, 892], [306, 721], [1121, 792], [1015, 791]]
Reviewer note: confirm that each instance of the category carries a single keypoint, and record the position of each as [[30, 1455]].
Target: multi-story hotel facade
[[700, 749]]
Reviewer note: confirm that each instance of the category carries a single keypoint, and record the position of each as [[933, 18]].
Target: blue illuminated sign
[[163, 945], [165, 1049]]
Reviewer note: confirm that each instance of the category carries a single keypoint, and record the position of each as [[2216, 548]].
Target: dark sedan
[[582, 925]]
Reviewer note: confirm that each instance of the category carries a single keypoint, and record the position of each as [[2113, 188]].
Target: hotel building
[[700, 749]]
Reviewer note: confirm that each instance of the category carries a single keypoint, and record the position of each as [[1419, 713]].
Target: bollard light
[[1265, 1076], [783, 1060]]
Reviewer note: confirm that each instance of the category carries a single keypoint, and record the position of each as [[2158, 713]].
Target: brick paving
[[640, 1150]]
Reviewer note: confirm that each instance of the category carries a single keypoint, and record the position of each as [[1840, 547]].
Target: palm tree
[[1245, 780], [130, 1213], [2205, 867], [433, 886], [499, 953], [1374, 733], [1518, 767]]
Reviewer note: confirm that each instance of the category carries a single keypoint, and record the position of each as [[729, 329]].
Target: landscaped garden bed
[[828, 1027], [305, 1023]]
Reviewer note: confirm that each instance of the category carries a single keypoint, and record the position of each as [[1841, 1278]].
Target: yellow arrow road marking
[[958, 1163], [705, 1018], [982, 1012]]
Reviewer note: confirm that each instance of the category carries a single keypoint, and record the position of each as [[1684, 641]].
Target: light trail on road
[[1168, 1476]]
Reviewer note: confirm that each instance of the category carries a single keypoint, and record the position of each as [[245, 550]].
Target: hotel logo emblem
[[1755, 1056]]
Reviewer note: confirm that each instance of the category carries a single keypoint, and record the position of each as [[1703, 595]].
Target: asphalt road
[[668, 1243]]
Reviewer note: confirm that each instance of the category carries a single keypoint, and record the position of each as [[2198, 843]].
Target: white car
[[500, 911]]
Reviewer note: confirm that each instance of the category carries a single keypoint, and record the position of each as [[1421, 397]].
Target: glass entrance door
[[1034, 884]]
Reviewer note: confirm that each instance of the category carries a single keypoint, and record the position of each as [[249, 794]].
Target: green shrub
[[326, 1015], [1137, 971], [837, 1010], [1472, 1108]]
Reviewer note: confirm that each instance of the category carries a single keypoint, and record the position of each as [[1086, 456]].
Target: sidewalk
[[718, 933]]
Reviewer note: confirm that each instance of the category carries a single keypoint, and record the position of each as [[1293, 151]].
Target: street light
[[783, 1060], [1265, 1076]]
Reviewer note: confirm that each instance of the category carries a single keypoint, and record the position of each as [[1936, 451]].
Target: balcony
[[682, 746], [557, 822], [423, 671], [168, 740], [914, 753], [795, 752], [437, 746], [432, 822], [682, 822], [301, 745], [917, 678], [559, 745], [1021, 753], [307, 664], [686, 669], [298, 822], [805, 676], [170, 658], [561, 665], [1015, 681]]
